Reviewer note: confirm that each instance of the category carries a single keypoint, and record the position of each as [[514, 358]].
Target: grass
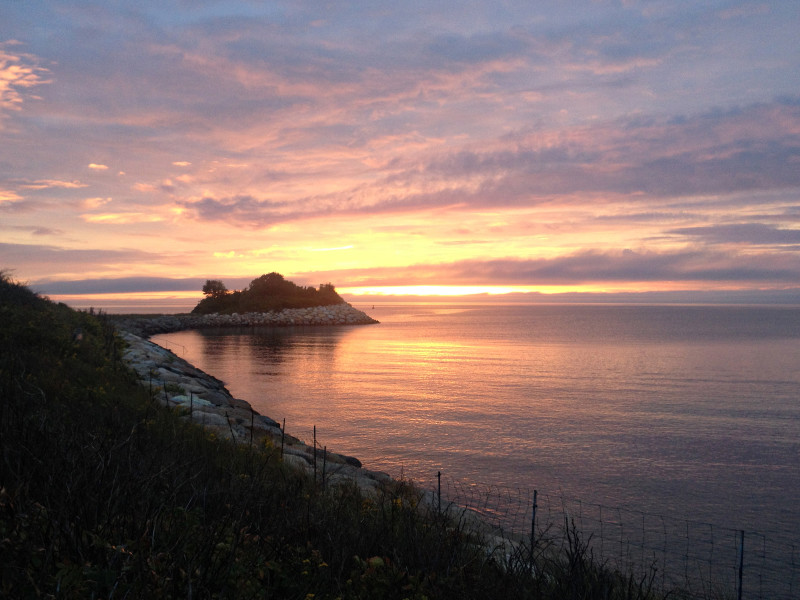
[[106, 494]]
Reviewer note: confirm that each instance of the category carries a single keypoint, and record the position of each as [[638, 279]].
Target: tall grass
[[106, 494]]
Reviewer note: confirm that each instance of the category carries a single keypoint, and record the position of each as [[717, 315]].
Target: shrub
[[270, 292]]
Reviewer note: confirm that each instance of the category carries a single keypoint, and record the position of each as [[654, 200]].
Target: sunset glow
[[631, 148], [435, 290], [471, 290]]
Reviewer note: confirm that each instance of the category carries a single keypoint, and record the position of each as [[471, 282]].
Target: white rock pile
[[335, 314], [204, 400]]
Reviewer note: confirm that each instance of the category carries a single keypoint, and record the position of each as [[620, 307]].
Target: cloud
[[629, 266], [467, 242], [244, 210], [35, 258], [748, 149], [756, 147], [119, 285], [591, 267], [128, 285], [781, 296], [463, 50], [18, 72], [124, 218], [97, 167], [122, 285], [37, 230], [9, 196], [46, 184], [13, 203], [337, 248], [92, 203], [742, 233]]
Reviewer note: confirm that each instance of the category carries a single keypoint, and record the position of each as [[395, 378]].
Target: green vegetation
[[106, 494], [266, 293]]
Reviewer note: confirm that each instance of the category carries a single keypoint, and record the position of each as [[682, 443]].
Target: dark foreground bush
[[105, 494]]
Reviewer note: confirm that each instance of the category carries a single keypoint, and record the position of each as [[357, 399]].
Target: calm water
[[684, 411]]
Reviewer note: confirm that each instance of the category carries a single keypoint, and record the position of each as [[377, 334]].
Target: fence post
[[439, 478], [741, 563], [315, 456], [283, 435], [324, 465], [533, 528], [252, 422]]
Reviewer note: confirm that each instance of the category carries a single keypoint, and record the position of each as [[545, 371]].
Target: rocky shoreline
[[203, 399], [335, 314]]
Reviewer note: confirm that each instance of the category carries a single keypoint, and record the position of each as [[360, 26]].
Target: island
[[268, 301]]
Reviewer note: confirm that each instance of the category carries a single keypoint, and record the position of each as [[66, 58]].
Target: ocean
[[687, 417], [690, 411]]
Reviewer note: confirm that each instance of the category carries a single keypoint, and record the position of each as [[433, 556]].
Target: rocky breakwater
[[334, 314], [203, 399]]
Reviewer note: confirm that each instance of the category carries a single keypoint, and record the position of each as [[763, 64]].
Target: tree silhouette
[[214, 288], [265, 293]]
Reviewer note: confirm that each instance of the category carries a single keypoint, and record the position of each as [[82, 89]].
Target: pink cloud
[[18, 72], [647, 268], [52, 183]]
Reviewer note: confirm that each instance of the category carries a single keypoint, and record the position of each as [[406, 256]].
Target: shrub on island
[[270, 292]]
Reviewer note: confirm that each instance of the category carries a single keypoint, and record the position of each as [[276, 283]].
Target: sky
[[570, 149]]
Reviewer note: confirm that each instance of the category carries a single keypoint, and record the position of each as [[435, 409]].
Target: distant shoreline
[[123, 304]]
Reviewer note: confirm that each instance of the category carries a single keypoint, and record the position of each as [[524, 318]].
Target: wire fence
[[688, 558]]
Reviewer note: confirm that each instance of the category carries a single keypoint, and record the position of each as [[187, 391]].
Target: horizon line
[[786, 297]]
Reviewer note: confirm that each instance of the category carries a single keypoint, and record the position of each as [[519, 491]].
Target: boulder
[[213, 407]]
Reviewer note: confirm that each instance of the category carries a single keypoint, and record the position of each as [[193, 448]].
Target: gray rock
[[266, 421], [216, 398], [207, 402]]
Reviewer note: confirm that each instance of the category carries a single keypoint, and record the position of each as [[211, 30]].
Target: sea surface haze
[[685, 411]]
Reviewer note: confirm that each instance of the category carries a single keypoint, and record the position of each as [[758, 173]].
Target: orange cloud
[[91, 203], [9, 196], [52, 183], [124, 218], [350, 247]]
